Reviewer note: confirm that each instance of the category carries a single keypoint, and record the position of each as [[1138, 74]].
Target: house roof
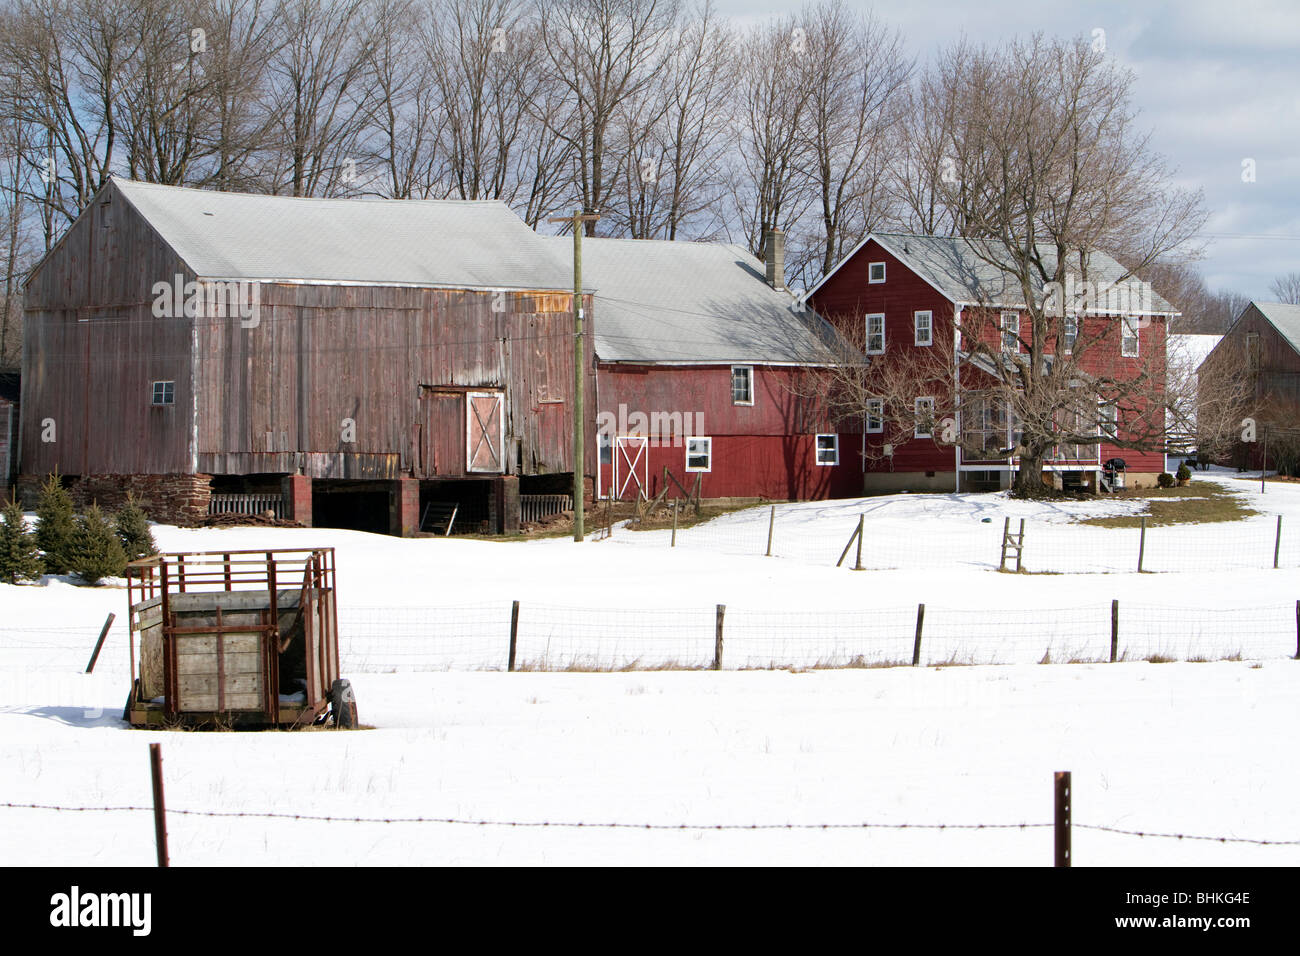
[[670, 302], [1283, 317], [958, 268], [435, 243]]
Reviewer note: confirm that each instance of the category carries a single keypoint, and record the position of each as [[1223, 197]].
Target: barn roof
[[958, 268], [1283, 317], [668, 302], [436, 243]]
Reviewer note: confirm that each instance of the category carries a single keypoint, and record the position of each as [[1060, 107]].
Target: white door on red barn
[[485, 427], [631, 467]]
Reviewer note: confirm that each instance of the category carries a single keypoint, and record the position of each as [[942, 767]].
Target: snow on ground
[[1177, 747]]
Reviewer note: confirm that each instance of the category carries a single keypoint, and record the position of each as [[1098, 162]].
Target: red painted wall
[[762, 450], [848, 297]]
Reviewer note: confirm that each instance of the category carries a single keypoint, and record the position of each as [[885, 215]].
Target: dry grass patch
[[1196, 503]]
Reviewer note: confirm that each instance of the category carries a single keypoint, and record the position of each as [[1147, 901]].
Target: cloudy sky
[[1217, 84]]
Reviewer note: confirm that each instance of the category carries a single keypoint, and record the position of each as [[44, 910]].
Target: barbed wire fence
[[809, 536], [1062, 825]]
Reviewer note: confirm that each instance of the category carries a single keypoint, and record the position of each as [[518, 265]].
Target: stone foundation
[[168, 499]]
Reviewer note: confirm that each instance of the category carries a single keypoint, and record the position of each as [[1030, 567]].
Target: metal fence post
[[1062, 827], [1277, 542], [94, 656], [1142, 544]]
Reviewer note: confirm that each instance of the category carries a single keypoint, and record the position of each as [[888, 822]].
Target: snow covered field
[[1193, 748]]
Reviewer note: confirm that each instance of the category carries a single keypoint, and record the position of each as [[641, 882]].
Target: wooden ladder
[[1012, 542]]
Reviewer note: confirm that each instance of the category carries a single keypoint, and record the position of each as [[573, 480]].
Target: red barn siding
[[762, 450]]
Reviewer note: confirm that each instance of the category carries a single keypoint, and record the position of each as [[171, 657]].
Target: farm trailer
[[240, 638]]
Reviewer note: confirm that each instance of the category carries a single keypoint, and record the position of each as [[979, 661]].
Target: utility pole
[[579, 365]]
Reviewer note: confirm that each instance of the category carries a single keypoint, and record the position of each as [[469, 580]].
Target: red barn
[[700, 354], [923, 298]]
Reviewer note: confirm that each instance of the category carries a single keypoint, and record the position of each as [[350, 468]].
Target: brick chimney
[[774, 256]]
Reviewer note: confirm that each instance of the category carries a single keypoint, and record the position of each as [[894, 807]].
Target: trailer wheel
[[343, 703]]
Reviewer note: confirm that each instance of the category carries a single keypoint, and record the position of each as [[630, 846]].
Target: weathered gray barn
[[354, 360]]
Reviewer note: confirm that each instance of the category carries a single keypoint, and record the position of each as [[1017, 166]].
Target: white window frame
[[876, 410], [166, 392], [1127, 323], [1068, 338], [881, 316], [1107, 420], [929, 327], [871, 268], [925, 401], [749, 384], [1014, 331], [707, 453], [834, 449]]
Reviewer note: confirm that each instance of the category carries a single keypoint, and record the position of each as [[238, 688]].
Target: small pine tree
[[1184, 473], [96, 551], [19, 557], [133, 530], [55, 525]]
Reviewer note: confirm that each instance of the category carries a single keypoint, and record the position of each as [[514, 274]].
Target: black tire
[[343, 703]]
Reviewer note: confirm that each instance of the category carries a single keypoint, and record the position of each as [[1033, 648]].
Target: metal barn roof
[[668, 302], [437, 243], [959, 269], [1284, 317]]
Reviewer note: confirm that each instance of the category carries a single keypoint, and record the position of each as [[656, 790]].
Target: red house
[[925, 298], [700, 354]]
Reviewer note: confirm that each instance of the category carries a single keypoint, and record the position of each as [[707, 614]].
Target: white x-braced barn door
[[485, 419], [631, 466]]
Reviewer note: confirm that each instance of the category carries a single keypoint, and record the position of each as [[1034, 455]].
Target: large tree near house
[[1044, 166]]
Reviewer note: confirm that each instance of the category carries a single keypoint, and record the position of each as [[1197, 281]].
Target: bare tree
[[1049, 170], [770, 185], [856, 74], [605, 53], [1286, 288]]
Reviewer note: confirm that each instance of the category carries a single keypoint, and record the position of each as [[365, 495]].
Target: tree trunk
[[1029, 479]]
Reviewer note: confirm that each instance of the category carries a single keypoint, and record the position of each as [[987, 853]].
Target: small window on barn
[[742, 385], [1252, 353], [164, 393], [924, 418], [875, 415], [1129, 336], [876, 334], [699, 454], [606, 448], [1010, 332], [828, 449], [924, 325], [105, 208], [1071, 333], [876, 273]]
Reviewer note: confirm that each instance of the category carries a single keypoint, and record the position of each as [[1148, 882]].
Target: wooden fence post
[[1142, 544], [673, 542], [717, 639], [514, 634], [1063, 818], [855, 536], [1114, 630], [862, 519], [920, 623], [159, 808], [94, 655], [1020, 545], [1277, 542], [1297, 630], [1006, 530], [771, 524]]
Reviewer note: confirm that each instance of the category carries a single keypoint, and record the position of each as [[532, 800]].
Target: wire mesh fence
[[488, 636], [548, 637], [807, 536]]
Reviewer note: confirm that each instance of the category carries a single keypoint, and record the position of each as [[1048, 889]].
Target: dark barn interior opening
[[472, 499], [351, 505]]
